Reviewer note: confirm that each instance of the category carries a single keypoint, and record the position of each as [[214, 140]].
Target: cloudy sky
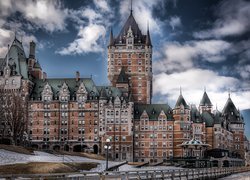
[[196, 43]]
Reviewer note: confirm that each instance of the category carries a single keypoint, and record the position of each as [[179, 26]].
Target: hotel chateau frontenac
[[75, 114]]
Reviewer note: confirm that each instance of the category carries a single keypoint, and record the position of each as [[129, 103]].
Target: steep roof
[[111, 39], [205, 101], [229, 107], [153, 111], [123, 77], [17, 59], [109, 91], [217, 117], [103, 94], [148, 39], [208, 118], [181, 101], [130, 23], [57, 83], [138, 36], [231, 113], [195, 115]]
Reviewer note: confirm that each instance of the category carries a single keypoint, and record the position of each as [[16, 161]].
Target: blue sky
[[196, 43]]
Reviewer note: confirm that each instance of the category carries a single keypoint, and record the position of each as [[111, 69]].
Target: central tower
[[131, 51]]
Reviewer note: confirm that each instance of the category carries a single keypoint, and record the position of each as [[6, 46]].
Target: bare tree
[[13, 116]]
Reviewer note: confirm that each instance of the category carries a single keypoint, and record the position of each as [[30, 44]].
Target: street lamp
[[107, 147]]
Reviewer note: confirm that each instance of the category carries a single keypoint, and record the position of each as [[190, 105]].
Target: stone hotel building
[[75, 114]]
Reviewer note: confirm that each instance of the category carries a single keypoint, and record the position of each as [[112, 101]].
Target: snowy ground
[[239, 176], [8, 157]]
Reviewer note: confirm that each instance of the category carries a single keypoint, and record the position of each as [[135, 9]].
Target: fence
[[204, 173]]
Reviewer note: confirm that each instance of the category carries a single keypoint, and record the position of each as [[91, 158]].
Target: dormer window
[[7, 82], [47, 93]]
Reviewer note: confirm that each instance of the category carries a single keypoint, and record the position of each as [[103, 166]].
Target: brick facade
[[74, 114]]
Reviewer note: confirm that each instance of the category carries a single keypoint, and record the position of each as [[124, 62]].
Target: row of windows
[[151, 128], [65, 114], [170, 136], [139, 55], [152, 153], [116, 128], [117, 121], [163, 144], [63, 122], [46, 139], [139, 69], [129, 62], [13, 82]]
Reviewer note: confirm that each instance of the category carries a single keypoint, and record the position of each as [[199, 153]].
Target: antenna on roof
[[15, 33], [148, 25], [21, 38], [7, 60], [131, 8]]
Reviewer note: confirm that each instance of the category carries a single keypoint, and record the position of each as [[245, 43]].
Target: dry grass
[[45, 167], [17, 149], [135, 163]]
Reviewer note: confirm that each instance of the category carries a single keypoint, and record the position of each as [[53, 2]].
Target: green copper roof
[[217, 117], [205, 101], [56, 85], [109, 91], [195, 115], [231, 113], [17, 58], [208, 118], [181, 101], [153, 111]]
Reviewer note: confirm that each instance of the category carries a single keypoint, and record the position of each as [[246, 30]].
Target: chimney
[[77, 76], [32, 49], [44, 76]]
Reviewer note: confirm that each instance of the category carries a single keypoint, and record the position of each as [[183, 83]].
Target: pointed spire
[[204, 88], [180, 91], [15, 34], [148, 39], [229, 93], [7, 60], [111, 39], [131, 8], [205, 101]]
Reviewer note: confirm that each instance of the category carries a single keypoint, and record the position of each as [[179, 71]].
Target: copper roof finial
[[7, 58], [131, 8]]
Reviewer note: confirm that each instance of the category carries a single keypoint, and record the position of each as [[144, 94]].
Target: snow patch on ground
[[8, 157]]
